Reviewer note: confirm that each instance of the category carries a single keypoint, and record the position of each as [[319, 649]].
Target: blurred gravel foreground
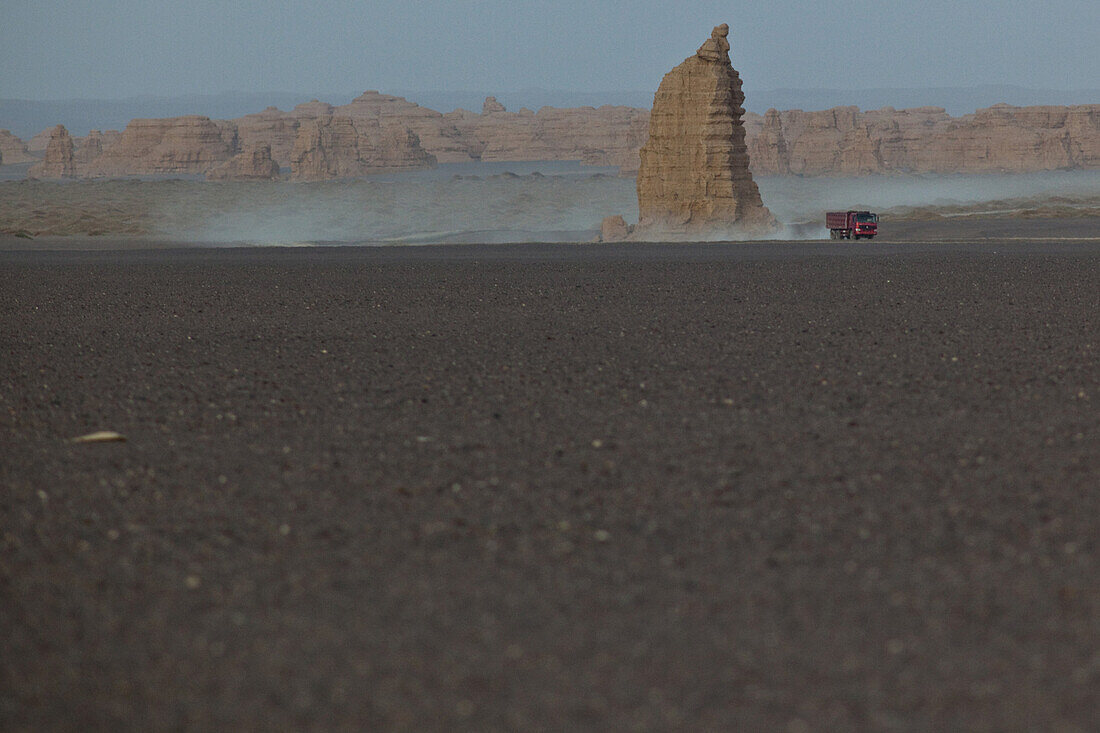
[[695, 487]]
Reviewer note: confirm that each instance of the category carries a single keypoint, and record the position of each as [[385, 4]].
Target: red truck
[[851, 224]]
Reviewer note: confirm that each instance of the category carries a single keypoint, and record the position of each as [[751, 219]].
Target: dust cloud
[[494, 203]]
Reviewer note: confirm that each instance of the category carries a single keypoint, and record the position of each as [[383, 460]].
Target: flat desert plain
[[781, 486]]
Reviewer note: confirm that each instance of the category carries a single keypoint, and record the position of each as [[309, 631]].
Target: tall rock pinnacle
[[59, 162], [694, 174]]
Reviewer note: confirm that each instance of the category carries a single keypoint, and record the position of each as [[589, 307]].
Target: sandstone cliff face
[[272, 127], [604, 136], [836, 142], [13, 150], [253, 164], [1001, 139], [491, 106], [767, 145], [312, 110], [187, 145], [59, 162], [694, 170], [90, 147], [342, 147], [437, 135], [38, 143]]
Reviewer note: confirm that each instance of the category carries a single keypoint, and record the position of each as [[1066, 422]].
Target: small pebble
[[100, 436]]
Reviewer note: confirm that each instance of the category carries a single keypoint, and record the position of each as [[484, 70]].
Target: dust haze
[[494, 203], [562, 202]]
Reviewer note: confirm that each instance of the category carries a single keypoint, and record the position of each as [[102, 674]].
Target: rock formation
[[437, 135], [59, 162], [38, 143], [253, 164], [614, 229], [846, 142], [13, 149], [90, 147], [492, 106], [604, 136], [694, 170], [341, 147], [768, 148], [837, 142], [274, 128], [188, 145]]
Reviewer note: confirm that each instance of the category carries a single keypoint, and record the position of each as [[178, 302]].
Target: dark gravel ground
[[758, 487]]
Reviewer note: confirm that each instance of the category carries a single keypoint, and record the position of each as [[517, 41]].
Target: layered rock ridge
[[837, 142], [1001, 139], [13, 150], [188, 145], [693, 176], [254, 163], [338, 146]]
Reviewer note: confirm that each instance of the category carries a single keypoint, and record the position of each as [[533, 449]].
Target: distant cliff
[[394, 134], [1001, 139]]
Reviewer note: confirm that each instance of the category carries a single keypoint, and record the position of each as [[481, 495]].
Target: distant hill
[[956, 100], [28, 117]]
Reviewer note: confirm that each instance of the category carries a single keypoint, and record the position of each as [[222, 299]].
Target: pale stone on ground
[[614, 229]]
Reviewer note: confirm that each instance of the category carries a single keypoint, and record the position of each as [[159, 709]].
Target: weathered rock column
[[59, 162], [694, 175]]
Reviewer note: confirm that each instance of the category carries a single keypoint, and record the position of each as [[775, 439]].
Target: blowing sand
[[755, 487], [489, 203]]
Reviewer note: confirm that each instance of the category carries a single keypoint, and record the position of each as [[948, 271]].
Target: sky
[[108, 49]]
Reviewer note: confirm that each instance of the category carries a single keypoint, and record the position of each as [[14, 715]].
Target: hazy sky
[[53, 49]]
